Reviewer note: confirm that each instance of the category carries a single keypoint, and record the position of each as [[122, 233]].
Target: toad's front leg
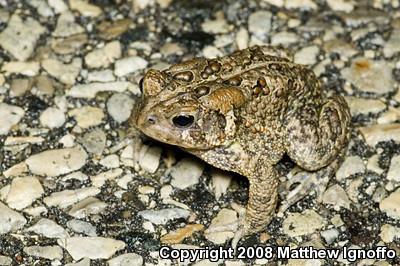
[[262, 201]]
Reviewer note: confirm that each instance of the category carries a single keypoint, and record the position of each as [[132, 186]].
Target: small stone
[[45, 85], [278, 3], [150, 158], [139, 5], [186, 173], [48, 228], [166, 191], [110, 161], [242, 38], [129, 259], [66, 198], [90, 90], [4, 16], [105, 56], [112, 30], [87, 116], [10, 38], [16, 170], [164, 3], [307, 55], [66, 73], [364, 106], [10, 220], [379, 194], [82, 227], [341, 47], [390, 116], [304, 223], [146, 190], [24, 68], [164, 215], [389, 233], [129, 65], [70, 44], [94, 141], [42, 8], [370, 76], [171, 49], [284, 38], [5, 261], [85, 8], [260, 23], [124, 181], [75, 176], [351, 166], [83, 262], [390, 205], [216, 26], [223, 218], [36, 211], [100, 179], [46, 252], [66, 26], [57, 162], [377, 133], [330, 235], [22, 140], [87, 207], [92, 247], [24, 191], [58, 6], [120, 106], [373, 164], [105, 75], [52, 118], [10, 116], [341, 5], [20, 86], [211, 52], [220, 182], [336, 196], [68, 140], [392, 46], [394, 170], [179, 235], [300, 4]]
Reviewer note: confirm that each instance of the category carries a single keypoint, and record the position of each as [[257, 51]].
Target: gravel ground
[[77, 189]]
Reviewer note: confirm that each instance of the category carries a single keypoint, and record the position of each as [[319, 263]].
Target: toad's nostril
[[151, 119]]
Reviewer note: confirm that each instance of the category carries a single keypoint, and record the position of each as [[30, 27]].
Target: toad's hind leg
[[316, 139]]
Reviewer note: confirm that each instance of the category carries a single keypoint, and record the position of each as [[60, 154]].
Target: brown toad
[[242, 113]]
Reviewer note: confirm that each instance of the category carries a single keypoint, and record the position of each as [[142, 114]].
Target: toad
[[243, 113]]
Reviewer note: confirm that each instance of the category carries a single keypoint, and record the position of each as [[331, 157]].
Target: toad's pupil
[[183, 121], [141, 84]]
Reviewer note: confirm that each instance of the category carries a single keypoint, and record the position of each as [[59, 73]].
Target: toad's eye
[[141, 85], [186, 76], [183, 121]]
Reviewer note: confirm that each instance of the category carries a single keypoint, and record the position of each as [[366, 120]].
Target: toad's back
[[274, 86]]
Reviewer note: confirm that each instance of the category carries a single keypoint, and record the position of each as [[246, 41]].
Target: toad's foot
[[241, 230], [307, 181]]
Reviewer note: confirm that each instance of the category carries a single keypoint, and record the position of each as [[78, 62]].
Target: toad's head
[[182, 108]]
